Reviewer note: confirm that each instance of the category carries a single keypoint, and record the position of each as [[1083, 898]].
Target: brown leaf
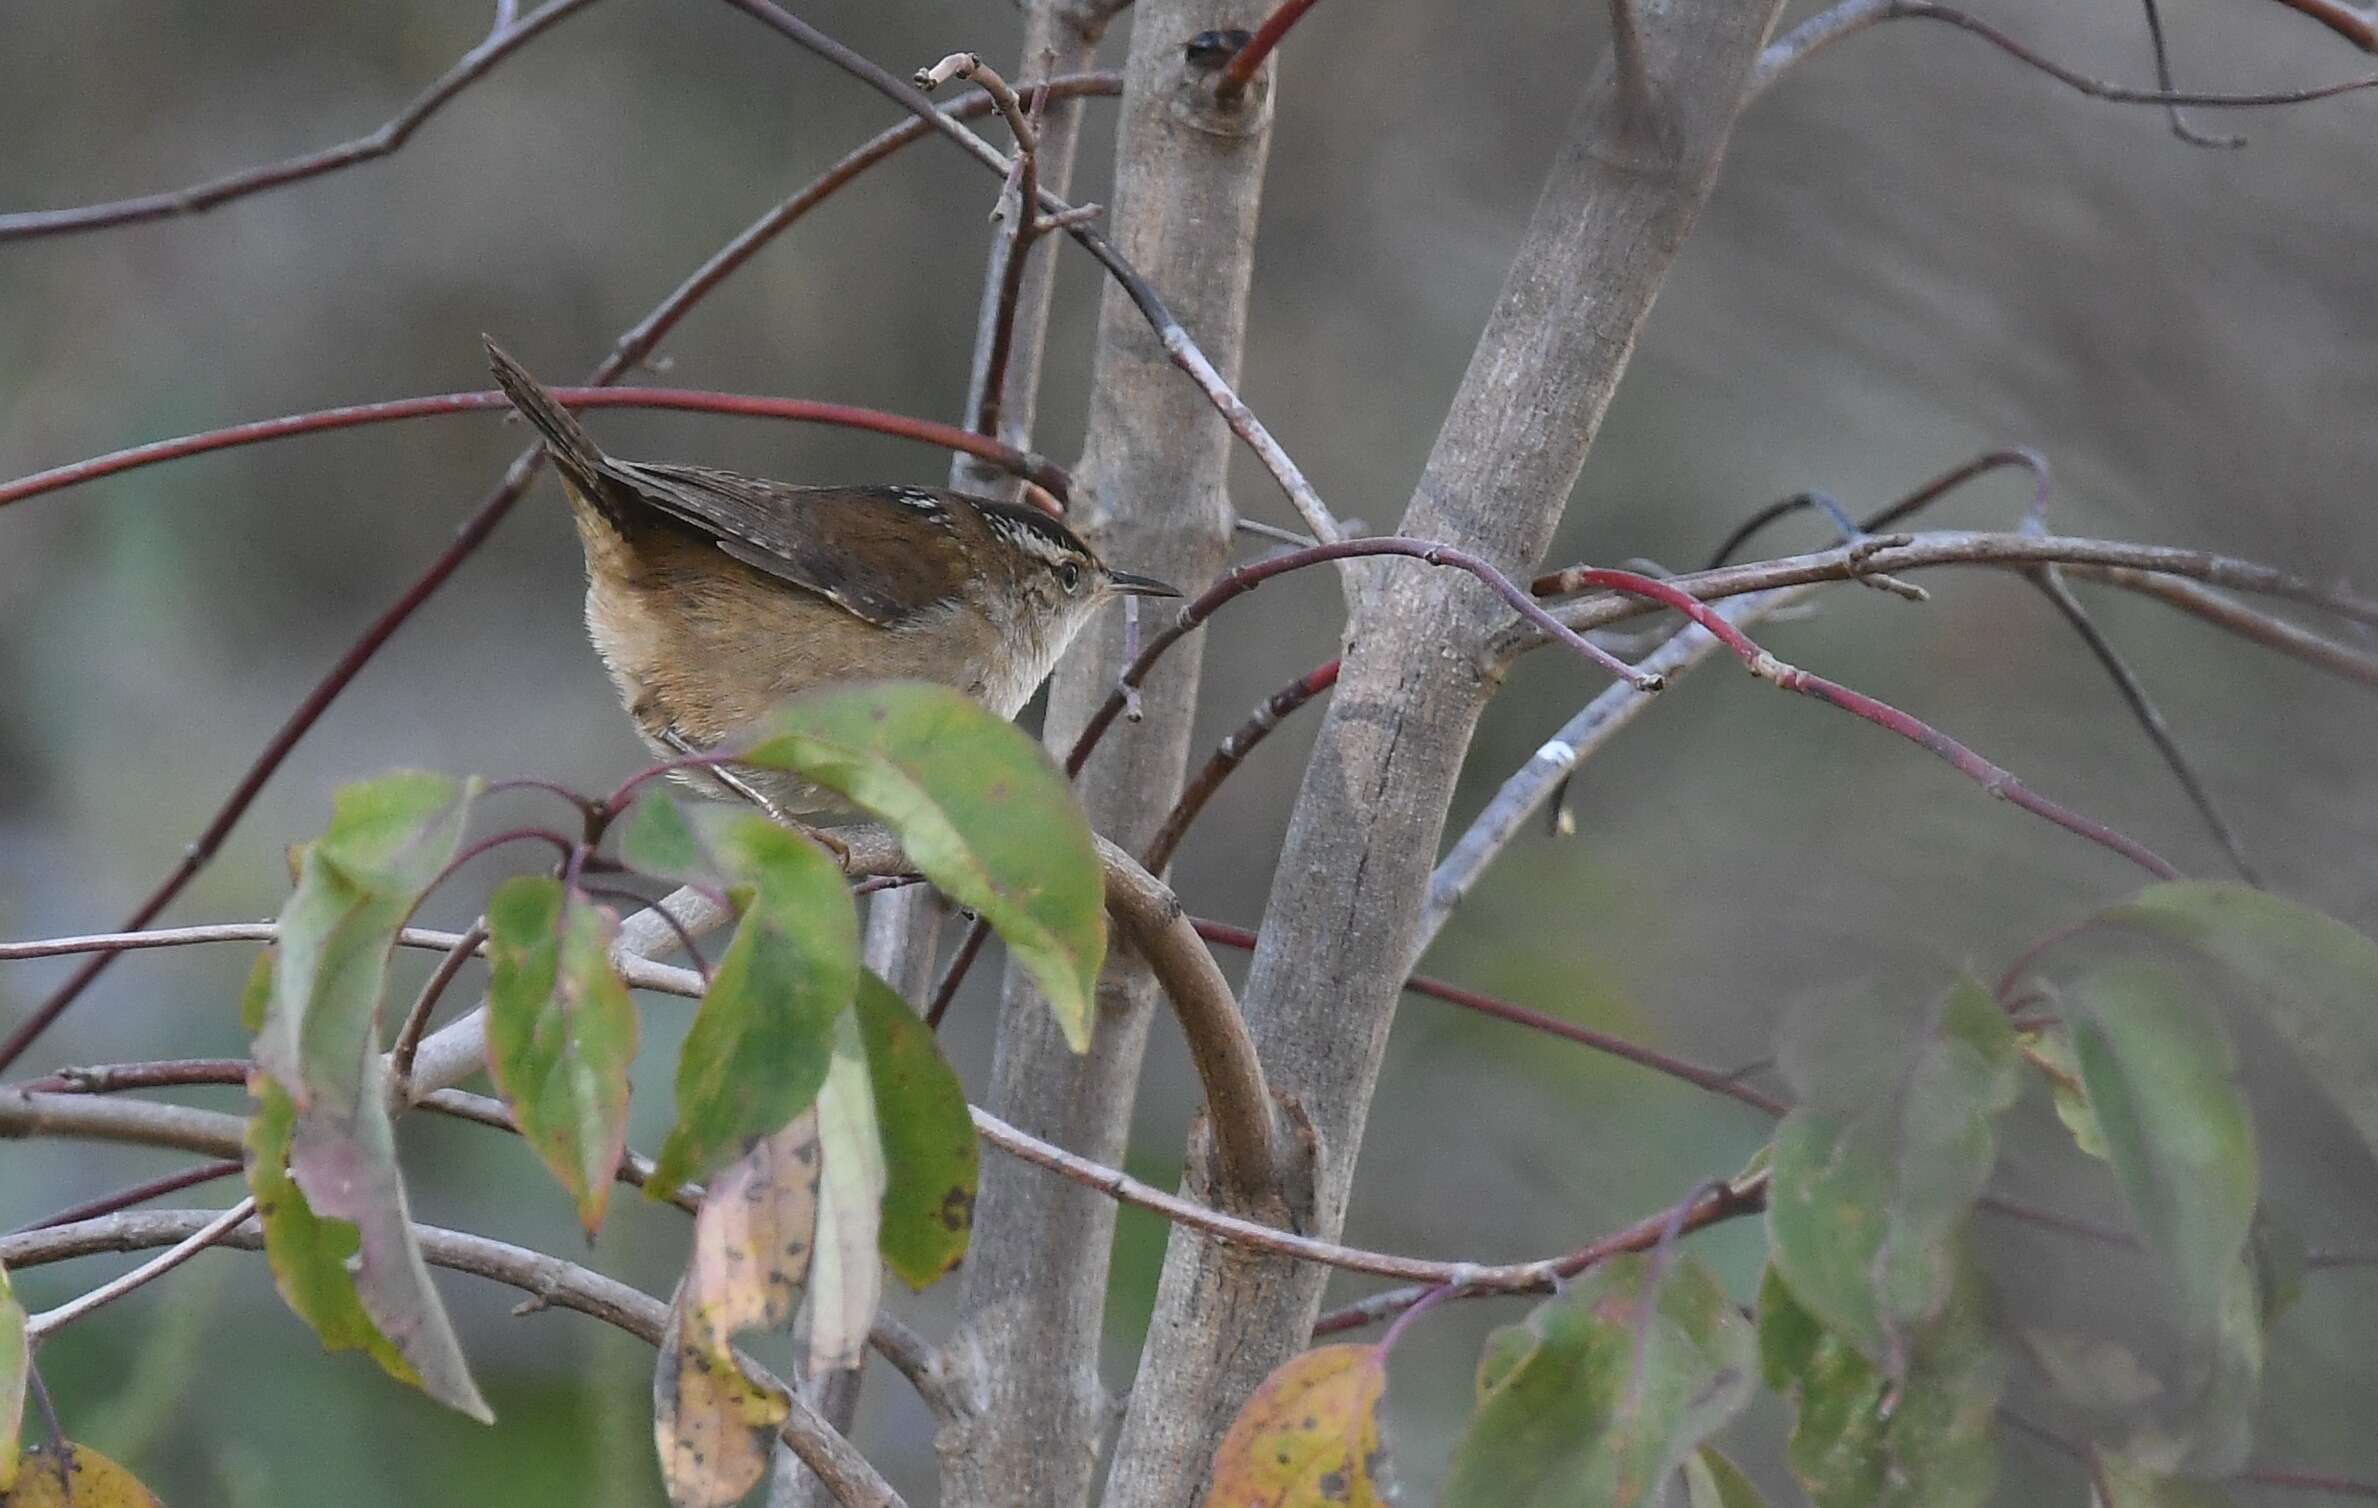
[[715, 1428], [753, 1239], [1309, 1438]]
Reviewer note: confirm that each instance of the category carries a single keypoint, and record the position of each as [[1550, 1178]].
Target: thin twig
[[2163, 79], [472, 66], [1852, 16], [1239, 72], [2237, 618], [2134, 695], [408, 1036], [2357, 24], [50, 1321], [1993, 779], [132, 1194], [1018, 203], [955, 975], [1229, 754], [1713, 1080], [351, 416], [1707, 1206]]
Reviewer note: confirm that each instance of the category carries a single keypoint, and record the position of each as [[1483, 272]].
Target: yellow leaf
[[1309, 1438], [89, 1480], [715, 1428], [752, 1238]]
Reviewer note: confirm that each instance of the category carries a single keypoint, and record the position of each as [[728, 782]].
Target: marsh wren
[[712, 597]]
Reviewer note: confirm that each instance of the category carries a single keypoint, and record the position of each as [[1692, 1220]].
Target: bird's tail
[[574, 451]]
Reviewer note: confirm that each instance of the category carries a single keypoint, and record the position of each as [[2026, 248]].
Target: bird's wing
[[859, 548]]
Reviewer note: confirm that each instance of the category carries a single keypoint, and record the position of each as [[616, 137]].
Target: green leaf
[[16, 1364], [309, 1256], [388, 838], [761, 1040], [561, 1034], [2049, 1050], [1867, 1204], [1604, 1390], [2162, 1082], [658, 839], [1712, 1481], [1861, 1439], [2314, 976], [979, 809], [929, 1150], [846, 1272]]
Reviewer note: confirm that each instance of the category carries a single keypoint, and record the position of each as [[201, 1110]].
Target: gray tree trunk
[[1638, 163], [1026, 1353]]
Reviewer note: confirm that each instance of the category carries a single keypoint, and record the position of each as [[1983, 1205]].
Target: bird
[[712, 597]]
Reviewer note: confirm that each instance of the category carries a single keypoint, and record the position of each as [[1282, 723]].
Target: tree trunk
[[1188, 176], [1638, 163]]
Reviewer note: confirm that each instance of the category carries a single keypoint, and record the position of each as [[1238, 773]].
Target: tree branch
[[549, 1281], [199, 197], [1853, 16]]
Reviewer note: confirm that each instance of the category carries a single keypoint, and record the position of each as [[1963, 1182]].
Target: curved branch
[[199, 197], [1239, 1107], [1853, 16], [350, 416], [550, 1282]]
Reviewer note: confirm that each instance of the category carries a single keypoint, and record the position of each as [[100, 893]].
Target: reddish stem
[[1240, 71], [138, 1193], [1232, 751], [1998, 782], [798, 410], [1519, 1015]]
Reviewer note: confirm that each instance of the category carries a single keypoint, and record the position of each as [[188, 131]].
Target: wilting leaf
[[714, 1427], [16, 1364], [980, 811], [1309, 1437], [1861, 1439], [561, 1034], [657, 839], [2117, 1483], [311, 1258], [88, 1480], [760, 1043], [1712, 1481], [2162, 1081], [1867, 1204], [930, 1156], [846, 1273], [1604, 1390], [387, 839], [2313, 975], [752, 1239]]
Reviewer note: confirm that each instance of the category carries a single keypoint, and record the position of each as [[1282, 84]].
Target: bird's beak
[[1140, 586]]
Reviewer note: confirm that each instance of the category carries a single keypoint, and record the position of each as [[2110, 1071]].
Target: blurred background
[[1918, 250]]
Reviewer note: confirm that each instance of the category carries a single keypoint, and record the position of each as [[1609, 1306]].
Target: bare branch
[[50, 1321], [1234, 749], [504, 40], [552, 1282], [1853, 16], [2163, 80], [2228, 613], [132, 1194], [2357, 24]]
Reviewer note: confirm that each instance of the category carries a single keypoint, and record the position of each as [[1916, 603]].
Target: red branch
[[1228, 756], [355, 415], [1240, 72], [1993, 779], [1729, 1085]]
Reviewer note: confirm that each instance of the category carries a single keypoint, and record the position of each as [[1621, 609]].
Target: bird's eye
[[1071, 574]]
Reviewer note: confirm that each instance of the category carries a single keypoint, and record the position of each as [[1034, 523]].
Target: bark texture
[[1637, 165], [1026, 1354]]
